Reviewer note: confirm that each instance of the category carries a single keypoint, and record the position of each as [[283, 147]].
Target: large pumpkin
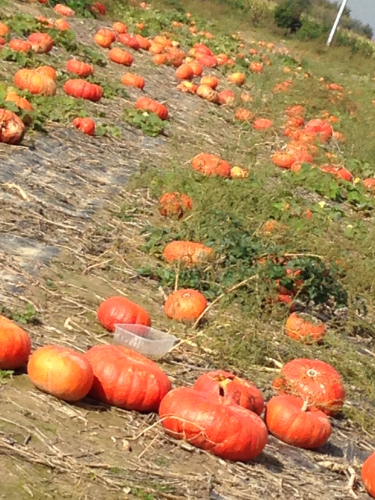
[[120, 56], [368, 475], [174, 204], [126, 379], [312, 380], [185, 305], [211, 164], [104, 38], [213, 424], [27, 79], [79, 68], [12, 128], [185, 72], [238, 390], [81, 89], [62, 372], [120, 310], [300, 326], [289, 419], [47, 71], [153, 106], [320, 128], [188, 252], [15, 344], [41, 42], [129, 40]]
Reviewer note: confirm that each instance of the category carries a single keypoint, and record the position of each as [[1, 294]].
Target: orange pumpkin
[[120, 56], [207, 93], [86, 125], [296, 110], [64, 10], [237, 78], [243, 115], [174, 204], [79, 68], [184, 72], [368, 475], [156, 48], [144, 43], [129, 40], [41, 43], [283, 159], [211, 165], [256, 67], [133, 80], [19, 45], [196, 67], [4, 30], [159, 59], [185, 305], [2, 41], [246, 97], [226, 97], [262, 124], [369, 184], [222, 59], [47, 71], [62, 25], [81, 89], [188, 252], [163, 41], [104, 38], [15, 344], [27, 79], [120, 310], [188, 87], [338, 171], [21, 102], [303, 327], [119, 27], [210, 81], [206, 60], [152, 106], [62, 372], [320, 128]]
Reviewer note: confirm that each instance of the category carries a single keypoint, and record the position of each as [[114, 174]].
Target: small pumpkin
[[289, 419], [120, 56], [152, 106], [159, 59], [306, 328], [262, 124], [86, 125], [238, 390], [4, 30], [120, 310], [119, 27], [126, 379], [369, 184], [222, 59], [205, 421], [188, 252], [237, 78], [62, 372], [226, 97], [185, 305], [62, 25], [256, 67], [246, 97], [2, 41], [41, 43], [239, 173], [174, 204], [243, 115], [79, 68], [184, 72], [133, 80], [104, 38], [81, 89], [129, 40], [64, 10], [19, 45], [163, 41], [15, 343], [207, 93], [98, 8], [312, 380], [202, 48], [338, 171], [368, 475], [211, 164], [210, 81], [297, 110], [21, 102], [35, 83]]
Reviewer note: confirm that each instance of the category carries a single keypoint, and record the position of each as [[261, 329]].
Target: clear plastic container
[[144, 339]]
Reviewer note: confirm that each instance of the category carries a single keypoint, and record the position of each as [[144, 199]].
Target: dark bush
[[288, 14]]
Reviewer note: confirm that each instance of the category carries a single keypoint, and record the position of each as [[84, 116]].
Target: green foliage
[[26, 317], [288, 14], [149, 123], [81, 7], [5, 375]]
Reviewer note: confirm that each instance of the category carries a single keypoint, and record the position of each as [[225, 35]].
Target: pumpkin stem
[[305, 405], [312, 373]]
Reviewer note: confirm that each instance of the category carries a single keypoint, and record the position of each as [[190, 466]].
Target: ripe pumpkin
[[202, 48], [12, 128], [27, 79], [15, 343], [369, 184], [239, 173], [144, 43], [174, 204], [21, 102], [62, 25], [119, 27], [368, 475], [256, 67], [133, 80], [81, 89], [153, 106], [262, 124], [184, 72], [104, 38], [159, 59], [283, 159], [98, 8], [79, 68], [337, 171], [206, 60], [295, 122], [222, 59], [226, 97], [312, 380], [41, 43], [120, 310], [237, 78], [238, 390], [2, 41], [207, 422], [320, 128], [156, 48], [207, 93], [300, 326], [86, 125], [64, 10], [126, 379], [243, 115], [289, 419], [188, 252], [196, 67], [4, 30], [185, 305], [62, 372], [296, 110], [187, 87], [211, 164], [46, 71], [120, 56], [210, 81], [163, 41], [19, 45], [129, 41]]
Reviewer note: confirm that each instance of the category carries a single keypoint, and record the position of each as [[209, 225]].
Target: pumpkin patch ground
[[263, 230]]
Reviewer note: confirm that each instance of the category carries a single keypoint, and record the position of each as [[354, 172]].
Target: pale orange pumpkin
[[210, 81], [133, 80], [15, 344], [211, 165], [64, 10], [187, 252], [185, 305], [62, 25], [21, 102], [237, 78], [47, 71], [119, 27], [207, 93], [35, 83], [196, 67], [104, 38], [4, 30]]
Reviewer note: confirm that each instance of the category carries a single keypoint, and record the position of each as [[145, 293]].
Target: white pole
[[336, 23]]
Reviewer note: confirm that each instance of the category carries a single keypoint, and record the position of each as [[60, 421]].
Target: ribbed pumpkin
[[174, 204], [46, 71], [238, 390], [256, 67], [86, 125], [305, 328], [196, 67], [15, 344], [211, 164], [79, 68], [133, 80], [120, 310], [27, 79], [120, 56], [126, 379], [184, 72], [104, 38], [19, 45], [156, 48], [144, 43], [119, 27], [41, 43], [64, 10], [185, 305], [320, 128], [84, 90], [207, 93], [262, 124], [203, 420], [314, 381], [129, 40], [153, 106], [21, 102], [289, 419], [188, 252], [62, 372], [368, 475]]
